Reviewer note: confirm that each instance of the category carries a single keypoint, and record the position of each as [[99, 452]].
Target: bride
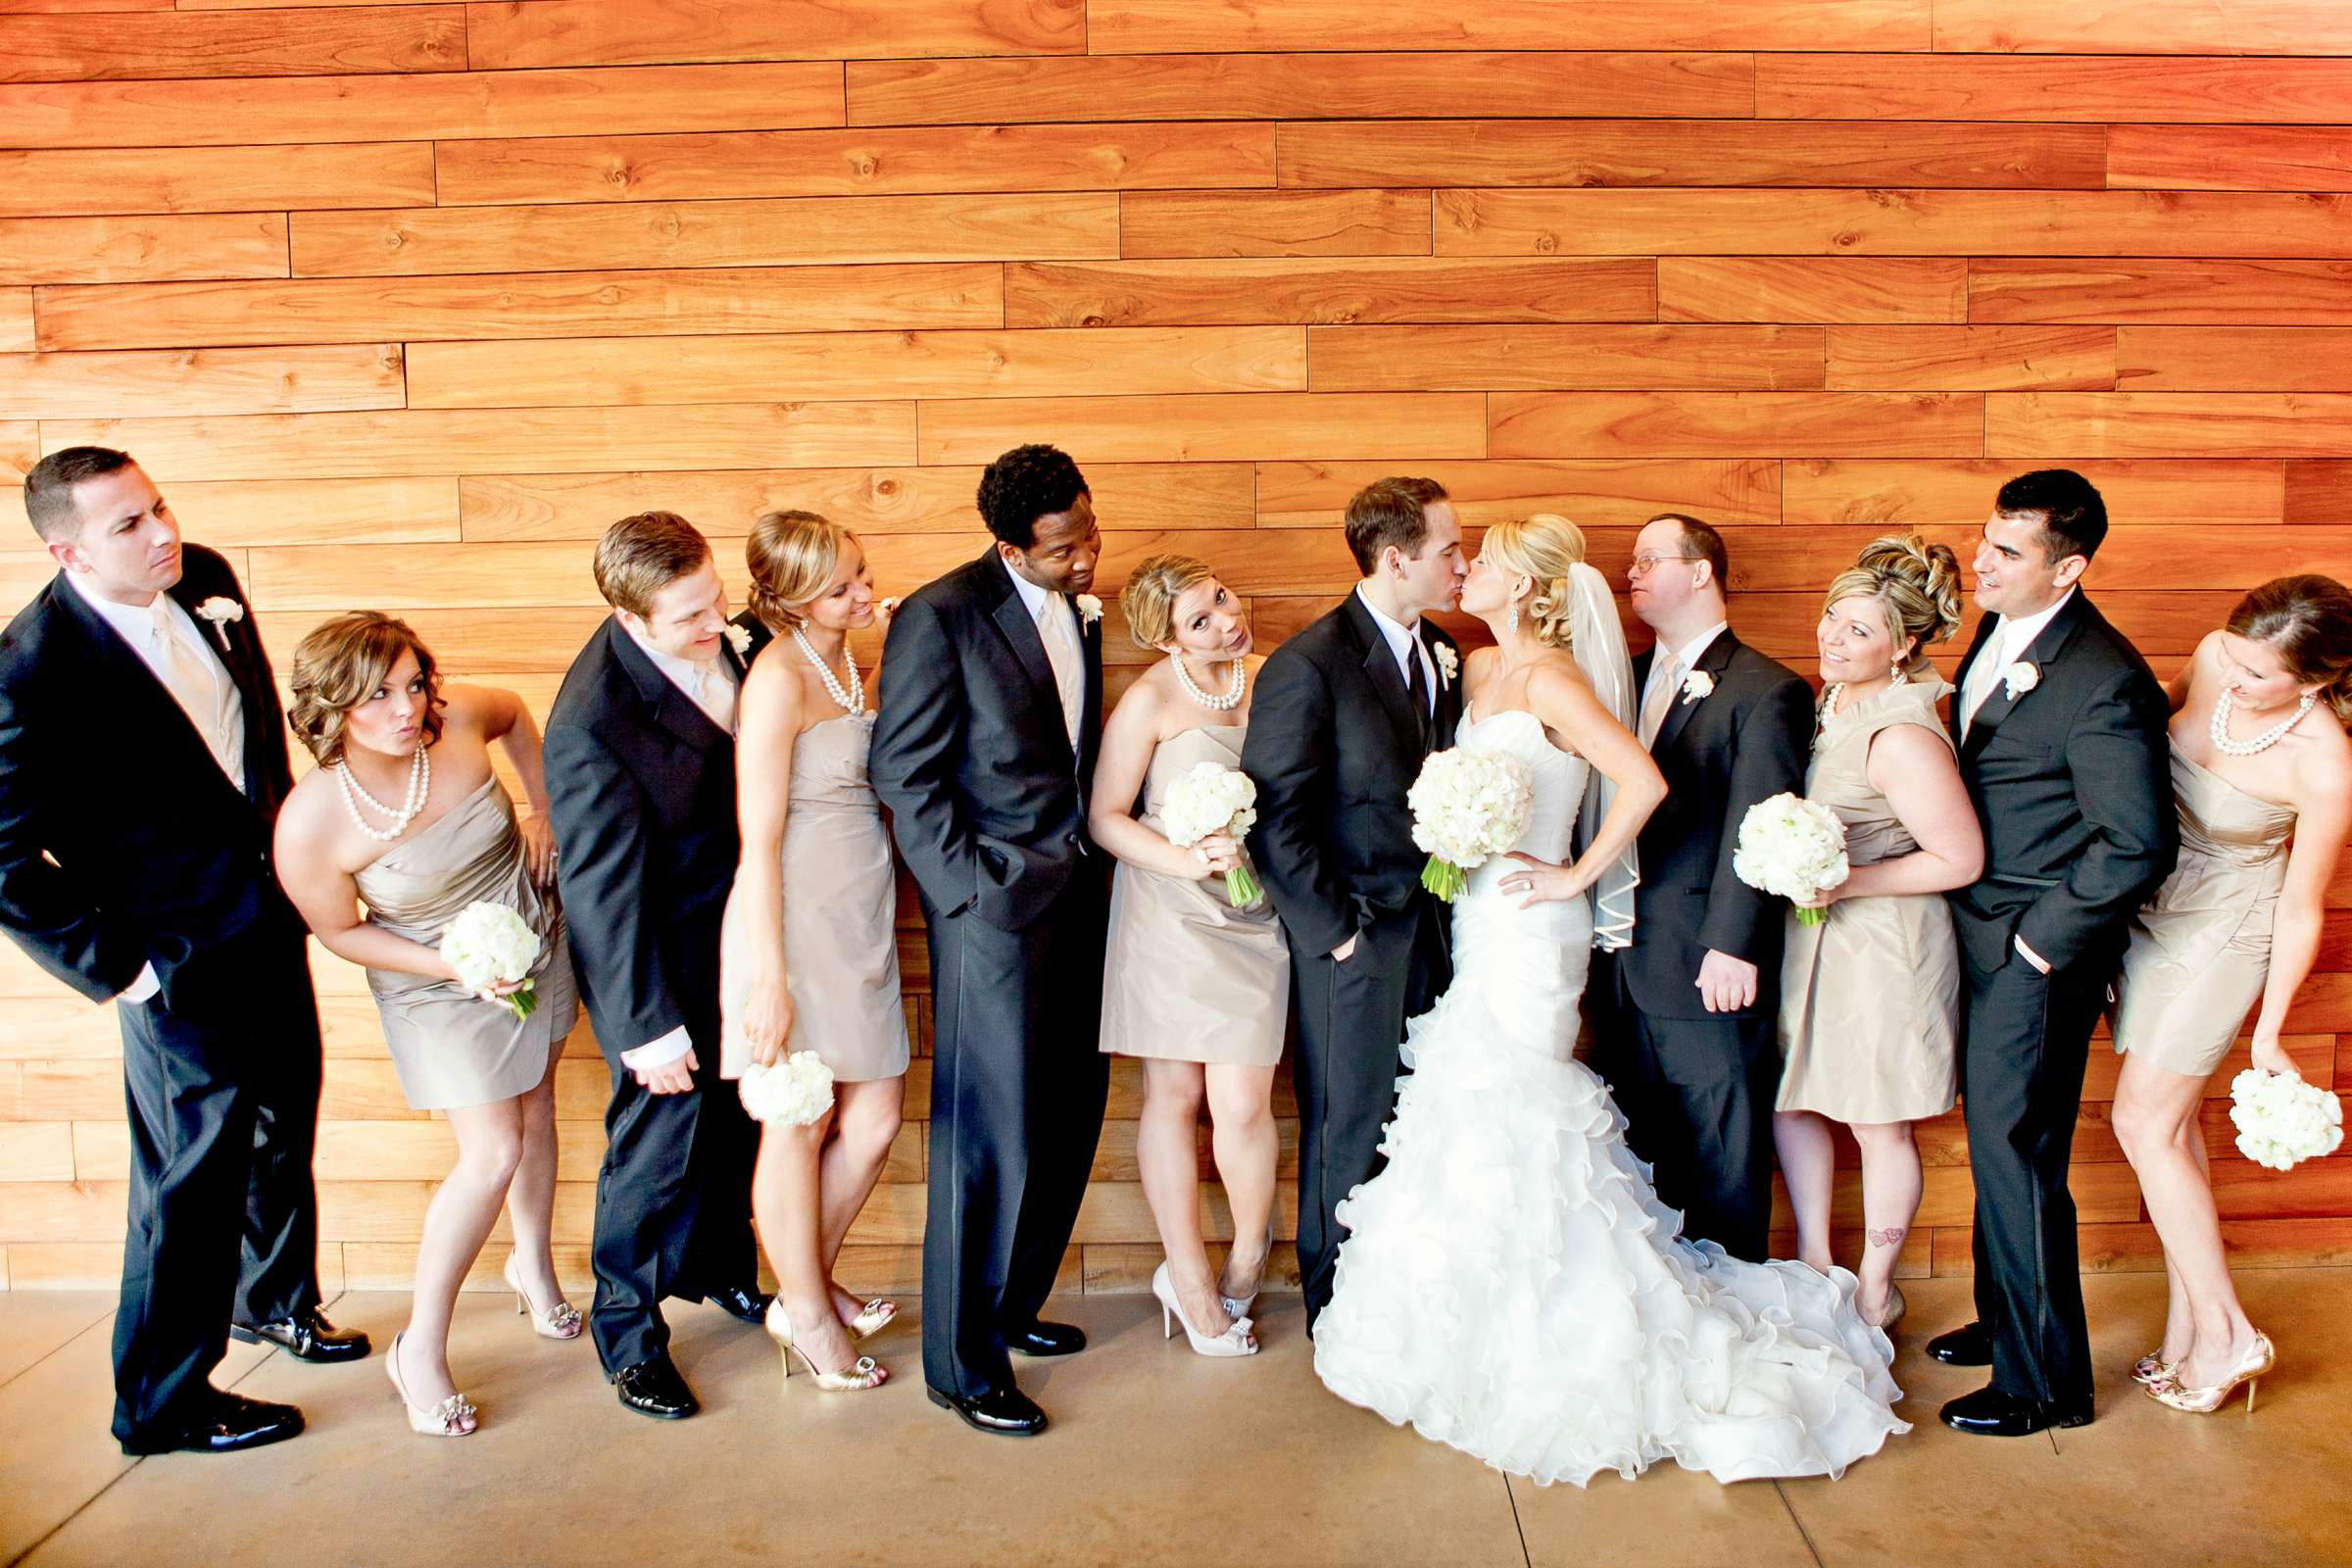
[[1510, 1284]]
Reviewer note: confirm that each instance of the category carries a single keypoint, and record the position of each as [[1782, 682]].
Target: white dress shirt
[[1403, 643], [1057, 628], [712, 687], [219, 717], [2010, 640], [1650, 719]]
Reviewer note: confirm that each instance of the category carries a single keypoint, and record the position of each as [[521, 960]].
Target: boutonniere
[[1089, 609], [739, 638], [1696, 685], [2020, 678], [220, 609], [1449, 664]]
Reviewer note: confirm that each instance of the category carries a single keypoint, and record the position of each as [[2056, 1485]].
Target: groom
[[984, 751], [1690, 1047], [1345, 714], [2063, 746], [640, 756]]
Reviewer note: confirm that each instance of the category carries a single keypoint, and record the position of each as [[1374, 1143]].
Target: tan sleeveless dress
[[449, 1047], [1186, 976], [841, 948], [1870, 998], [2201, 949]]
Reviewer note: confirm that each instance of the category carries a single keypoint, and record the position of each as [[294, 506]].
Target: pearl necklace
[[421, 783], [852, 697], [1226, 702], [2219, 729]]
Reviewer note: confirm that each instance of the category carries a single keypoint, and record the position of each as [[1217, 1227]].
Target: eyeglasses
[[1645, 563]]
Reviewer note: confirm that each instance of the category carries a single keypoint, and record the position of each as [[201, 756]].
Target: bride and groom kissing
[[1481, 1254]]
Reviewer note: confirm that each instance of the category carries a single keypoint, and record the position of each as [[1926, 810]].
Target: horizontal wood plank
[[1690, 153], [2136, 425], [1126, 26], [146, 382], [1188, 429], [214, 180], [2233, 359], [2143, 491], [544, 440], [435, 106], [1751, 288], [2230, 156], [531, 33], [525, 305], [1297, 86], [1348, 223], [1626, 494], [2052, 87], [713, 233], [15, 319], [1368, 289], [1673, 425], [151, 249], [2145, 26], [254, 43], [2319, 491], [1971, 358], [2163, 292], [1534, 358]]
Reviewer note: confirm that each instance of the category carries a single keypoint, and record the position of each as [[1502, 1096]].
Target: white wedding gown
[[1512, 1286]]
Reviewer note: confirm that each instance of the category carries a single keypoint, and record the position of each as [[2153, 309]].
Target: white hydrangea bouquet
[[489, 945], [1793, 849], [794, 1093], [1468, 807], [2281, 1121], [1211, 798]]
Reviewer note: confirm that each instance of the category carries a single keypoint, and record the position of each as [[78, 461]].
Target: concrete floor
[[1156, 1456]]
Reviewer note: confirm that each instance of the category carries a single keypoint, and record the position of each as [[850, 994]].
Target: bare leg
[[1167, 1148], [865, 1123], [2156, 1123], [1809, 1165], [1242, 1116], [785, 1202], [456, 1224], [531, 1195], [1891, 1188]]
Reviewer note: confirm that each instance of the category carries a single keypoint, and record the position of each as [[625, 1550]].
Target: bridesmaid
[[1194, 987], [1870, 998], [809, 959], [369, 704], [2262, 772]]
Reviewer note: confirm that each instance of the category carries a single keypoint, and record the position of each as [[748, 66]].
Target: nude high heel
[[1239, 1306], [2153, 1370], [2259, 1358], [560, 1321], [1234, 1341], [863, 1373], [453, 1417]]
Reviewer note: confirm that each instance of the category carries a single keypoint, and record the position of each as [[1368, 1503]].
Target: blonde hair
[[792, 556], [1915, 583], [2308, 619], [1543, 547], [1149, 601], [641, 555], [341, 663]]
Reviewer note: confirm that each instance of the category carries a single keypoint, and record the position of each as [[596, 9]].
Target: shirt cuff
[[2035, 959], [141, 989], [658, 1053]]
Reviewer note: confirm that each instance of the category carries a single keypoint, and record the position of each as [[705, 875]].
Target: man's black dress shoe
[[228, 1423], [1047, 1339], [1963, 1347], [1991, 1413], [306, 1336], [654, 1387], [1006, 1412], [738, 1302]]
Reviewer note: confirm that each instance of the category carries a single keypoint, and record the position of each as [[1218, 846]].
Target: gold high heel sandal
[[872, 1318], [2259, 1358], [1892, 1312], [2153, 1370], [560, 1321], [863, 1373]]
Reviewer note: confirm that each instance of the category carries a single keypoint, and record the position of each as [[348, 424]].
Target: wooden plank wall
[[402, 302]]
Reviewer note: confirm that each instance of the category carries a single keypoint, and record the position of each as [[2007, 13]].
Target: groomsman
[[1344, 715], [2061, 737], [984, 751], [143, 764], [1690, 1045], [640, 754]]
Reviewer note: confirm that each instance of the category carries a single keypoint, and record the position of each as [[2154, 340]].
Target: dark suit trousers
[[224, 1100], [673, 1205], [1351, 1021], [1017, 1088], [2028, 1040], [1697, 1095]]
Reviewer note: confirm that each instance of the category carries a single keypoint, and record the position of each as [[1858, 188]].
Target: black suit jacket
[[2072, 782], [158, 857], [641, 790], [1745, 741], [1333, 747], [987, 796]]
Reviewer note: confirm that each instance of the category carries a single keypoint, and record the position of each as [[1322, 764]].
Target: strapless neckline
[[425, 834], [1471, 721], [2232, 786]]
